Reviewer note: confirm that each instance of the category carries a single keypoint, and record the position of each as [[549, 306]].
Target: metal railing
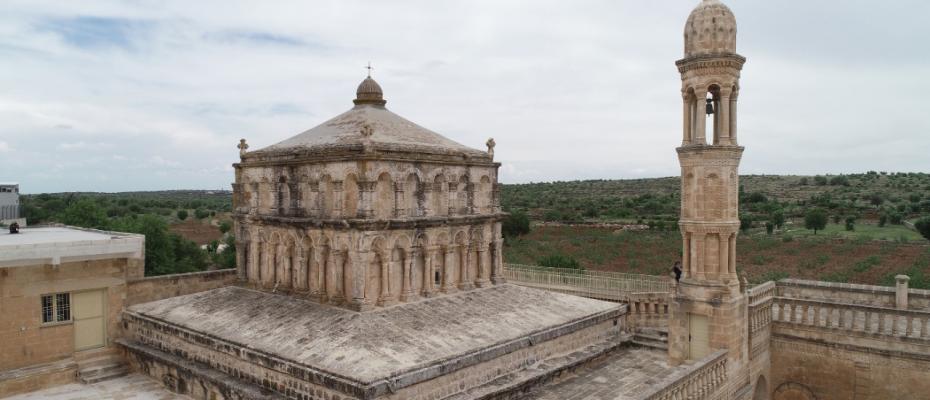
[[594, 284]]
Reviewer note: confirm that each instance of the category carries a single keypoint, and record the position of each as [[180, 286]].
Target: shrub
[[516, 224], [850, 223], [840, 180], [225, 226], [769, 228], [882, 220], [803, 181], [559, 261], [745, 222], [923, 226], [815, 220], [182, 215], [896, 219], [201, 213], [820, 180]]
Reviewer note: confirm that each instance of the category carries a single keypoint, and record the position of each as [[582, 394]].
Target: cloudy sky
[[147, 95]]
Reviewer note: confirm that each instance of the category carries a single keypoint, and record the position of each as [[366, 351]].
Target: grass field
[[898, 233], [760, 257]]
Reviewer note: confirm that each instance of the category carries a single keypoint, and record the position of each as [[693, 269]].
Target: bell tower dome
[[708, 309]]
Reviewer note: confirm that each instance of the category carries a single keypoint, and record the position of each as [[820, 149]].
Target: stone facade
[[40, 262], [367, 210]]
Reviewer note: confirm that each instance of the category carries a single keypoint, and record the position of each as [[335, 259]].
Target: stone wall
[[878, 296], [26, 340], [162, 287], [806, 370], [828, 351], [30, 379]]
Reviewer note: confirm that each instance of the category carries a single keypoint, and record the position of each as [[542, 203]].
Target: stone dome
[[711, 29], [369, 92]]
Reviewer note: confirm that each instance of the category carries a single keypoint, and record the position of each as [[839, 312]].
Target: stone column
[[427, 195], [317, 264], [366, 191], [483, 280], [359, 268], [447, 267], [283, 270], [732, 111], [723, 257], [338, 199], [335, 271], [497, 262], [685, 255], [901, 291], [300, 271], [732, 258], [387, 295], [406, 291], [399, 210], [686, 117], [724, 119], [453, 196], [255, 251], [697, 258], [464, 282], [470, 200], [428, 273], [700, 118]]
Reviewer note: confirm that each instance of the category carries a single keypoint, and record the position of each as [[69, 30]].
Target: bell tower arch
[[708, 309]]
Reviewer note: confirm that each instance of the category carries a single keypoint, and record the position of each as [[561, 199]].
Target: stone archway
[[762, 389], [793, 391]]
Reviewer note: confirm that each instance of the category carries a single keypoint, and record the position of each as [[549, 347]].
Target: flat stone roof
[[624, 375], [54, 244], [376, 345]]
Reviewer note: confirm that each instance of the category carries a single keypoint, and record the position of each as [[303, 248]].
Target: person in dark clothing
[[677, 270], [14, 228]]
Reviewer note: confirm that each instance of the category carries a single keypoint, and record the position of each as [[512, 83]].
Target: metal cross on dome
[[369, 68]]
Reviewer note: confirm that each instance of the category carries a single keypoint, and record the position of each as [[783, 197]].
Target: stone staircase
[[652, 338], [100, 364]]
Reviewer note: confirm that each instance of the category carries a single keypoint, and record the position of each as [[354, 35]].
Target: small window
[[56, 308]]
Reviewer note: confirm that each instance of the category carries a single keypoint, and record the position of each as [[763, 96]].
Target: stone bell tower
[[708, 309]]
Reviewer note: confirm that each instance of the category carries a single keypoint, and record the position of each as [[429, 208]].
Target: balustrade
[[701, 381], [854, 318]]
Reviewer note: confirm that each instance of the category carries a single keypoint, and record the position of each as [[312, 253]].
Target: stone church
[[369, 266]]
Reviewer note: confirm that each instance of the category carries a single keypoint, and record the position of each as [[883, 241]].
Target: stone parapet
[[37, 377], [869, 295], [162, 287]]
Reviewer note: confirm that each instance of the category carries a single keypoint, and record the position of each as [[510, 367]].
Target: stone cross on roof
[[243, 146]]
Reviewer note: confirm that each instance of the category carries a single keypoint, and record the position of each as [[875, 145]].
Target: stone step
[[651, 344], [95, 353], [521, 381], [102, 372], [651, 337]]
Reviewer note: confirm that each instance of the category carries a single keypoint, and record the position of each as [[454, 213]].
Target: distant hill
[[868, 196]]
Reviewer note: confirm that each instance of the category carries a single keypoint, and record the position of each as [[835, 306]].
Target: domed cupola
[[711, 29], [369, 92]]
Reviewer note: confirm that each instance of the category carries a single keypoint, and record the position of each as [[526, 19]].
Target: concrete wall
[[162, 287], [25, 340]]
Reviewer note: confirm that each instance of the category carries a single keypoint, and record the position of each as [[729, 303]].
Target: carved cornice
[[720, 62], [368, 224]]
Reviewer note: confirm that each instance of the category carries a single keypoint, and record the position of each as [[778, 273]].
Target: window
[[56, 308]]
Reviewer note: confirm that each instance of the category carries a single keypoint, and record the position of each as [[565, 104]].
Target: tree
[[882, 220], [769, 228], [778, 219], [225, 226], [923, 226], [85, 213], [182, 215], [850, 223], [815, 220], [201, 213], [516, 224], [745, 222]]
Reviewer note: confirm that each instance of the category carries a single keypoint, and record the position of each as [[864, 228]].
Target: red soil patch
[[201, 232]]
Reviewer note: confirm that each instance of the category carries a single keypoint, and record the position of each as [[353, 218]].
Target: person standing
[[677, 270]]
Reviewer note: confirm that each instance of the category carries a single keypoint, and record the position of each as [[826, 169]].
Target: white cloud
[[5, 147], [567, 91]]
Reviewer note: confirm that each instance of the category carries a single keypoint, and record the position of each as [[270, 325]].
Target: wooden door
[[698, 336], [88, 311]]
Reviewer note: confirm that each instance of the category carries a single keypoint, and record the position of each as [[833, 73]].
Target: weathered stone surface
[[375, 345]]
